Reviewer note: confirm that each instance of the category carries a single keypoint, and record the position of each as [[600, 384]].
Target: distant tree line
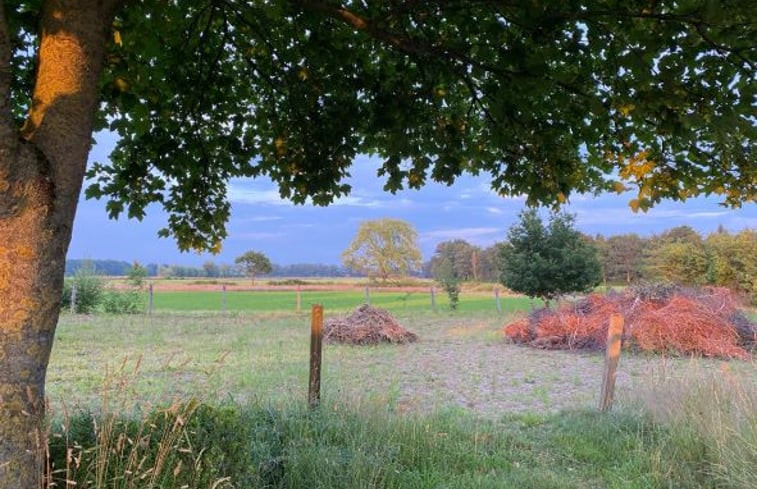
[[209, 269], [679, 255]]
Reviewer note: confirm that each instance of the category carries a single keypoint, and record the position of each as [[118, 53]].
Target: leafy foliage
[[122, 302], [137, 274], [454, 262], [444, 273], [90, 289], [548, 261], [384, 248], [549, 99], [734, 261], [459, 256], [254, 263], [678, 255]]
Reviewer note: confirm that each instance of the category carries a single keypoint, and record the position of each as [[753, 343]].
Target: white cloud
[[355, 201], [241, 195], [256, 236], [468, 234], [258, 219], [494, 210]]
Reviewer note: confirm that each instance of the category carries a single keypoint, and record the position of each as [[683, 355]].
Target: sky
[[289, 233]]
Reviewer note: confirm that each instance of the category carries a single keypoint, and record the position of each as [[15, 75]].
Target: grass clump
[[254, 446], [715, 408]]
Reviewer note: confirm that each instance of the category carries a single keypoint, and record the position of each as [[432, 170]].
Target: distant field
[[272, 301]]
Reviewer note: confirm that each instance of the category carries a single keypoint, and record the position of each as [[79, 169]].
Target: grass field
[[271, 301], [460, 408]]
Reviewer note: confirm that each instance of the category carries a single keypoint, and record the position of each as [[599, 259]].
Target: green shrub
[[89, 290], [122, 302], [288, 281]]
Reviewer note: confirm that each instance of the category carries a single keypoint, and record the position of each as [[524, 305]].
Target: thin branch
[[722, 49]]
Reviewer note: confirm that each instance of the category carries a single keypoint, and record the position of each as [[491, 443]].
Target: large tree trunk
[[41, 171], [32, 255]]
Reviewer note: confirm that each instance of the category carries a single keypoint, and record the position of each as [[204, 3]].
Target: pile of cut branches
[[366, 325], [677, 320]]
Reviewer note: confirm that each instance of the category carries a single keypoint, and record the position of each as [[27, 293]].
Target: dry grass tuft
[[714, 405]]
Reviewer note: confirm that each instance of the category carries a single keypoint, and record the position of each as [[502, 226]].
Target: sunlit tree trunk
[[41, 171], [32, 255]]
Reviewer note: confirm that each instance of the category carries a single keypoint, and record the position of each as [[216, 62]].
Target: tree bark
[[41, 171]]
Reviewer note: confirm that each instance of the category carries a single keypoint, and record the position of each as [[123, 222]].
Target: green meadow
[[190, 397], [272, 300]]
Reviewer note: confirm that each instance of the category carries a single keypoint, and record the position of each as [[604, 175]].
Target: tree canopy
[[457, 258], [549, 98], [548, 261], [254, 263], [384, 248]]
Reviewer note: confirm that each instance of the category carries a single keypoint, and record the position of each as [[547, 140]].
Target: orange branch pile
[[703, 322]]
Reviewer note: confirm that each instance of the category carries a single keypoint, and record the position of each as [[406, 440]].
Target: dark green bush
[[122, 302], [89, 291]]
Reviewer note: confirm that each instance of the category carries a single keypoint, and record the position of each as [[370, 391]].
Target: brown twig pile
[[366, 326], [704, 322]]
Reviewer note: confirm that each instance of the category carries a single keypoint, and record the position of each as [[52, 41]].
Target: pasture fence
[[612, 355], [316, 349]]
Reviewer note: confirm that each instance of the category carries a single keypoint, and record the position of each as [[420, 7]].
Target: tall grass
[[125, 444], [713, 407], [365, 446]]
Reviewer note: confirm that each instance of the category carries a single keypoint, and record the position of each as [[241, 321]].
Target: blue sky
[[469, 210]]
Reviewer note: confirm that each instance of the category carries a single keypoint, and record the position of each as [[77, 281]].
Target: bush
[[89, 290], [126, 302], [288, 281]]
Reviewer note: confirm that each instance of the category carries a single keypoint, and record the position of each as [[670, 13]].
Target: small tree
[[462, 257], [548, 261], [90, 290], [136, 275], [254, 263], [384, 248], [444, 273]]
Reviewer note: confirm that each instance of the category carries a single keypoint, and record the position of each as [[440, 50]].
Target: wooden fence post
[[299, 299], [316, 347], [612, 355], [149, 299], [433, 298], [368, 295], [223, 298], [73, 298], [496, 300]]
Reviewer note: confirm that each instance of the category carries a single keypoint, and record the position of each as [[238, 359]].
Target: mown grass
[[270, 301]]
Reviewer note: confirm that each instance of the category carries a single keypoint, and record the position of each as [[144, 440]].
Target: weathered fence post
[[316, 347], [368, 295], [223, 298], [612, 355], [433, 298], [299, 299], [496, 300], [149, 299], [73, 298]]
